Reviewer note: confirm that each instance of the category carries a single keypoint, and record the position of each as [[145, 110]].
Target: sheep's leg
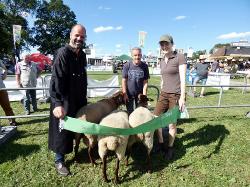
[[104, 168], [77, 142], [91, 156], [117, 181], [127, 156], [149, 161]]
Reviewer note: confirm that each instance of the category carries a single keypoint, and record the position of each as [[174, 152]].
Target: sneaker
[[202, 96], [61, 169], [169, 154], [27, 113]]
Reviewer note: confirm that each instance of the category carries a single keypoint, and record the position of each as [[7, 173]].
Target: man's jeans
[[30, 98], [59, 157]]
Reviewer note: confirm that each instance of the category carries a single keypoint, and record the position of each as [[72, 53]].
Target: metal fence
[[46, 80]]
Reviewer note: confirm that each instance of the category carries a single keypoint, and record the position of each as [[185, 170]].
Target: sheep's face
[[143, 100], [118, 97]]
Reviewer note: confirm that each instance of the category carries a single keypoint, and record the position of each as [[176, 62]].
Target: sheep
[[118, 143], [94, 113], [139, 116]]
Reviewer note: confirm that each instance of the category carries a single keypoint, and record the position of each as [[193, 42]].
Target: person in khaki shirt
[[173, 73]]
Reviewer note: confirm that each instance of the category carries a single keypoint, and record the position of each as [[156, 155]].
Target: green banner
[[79, 126]]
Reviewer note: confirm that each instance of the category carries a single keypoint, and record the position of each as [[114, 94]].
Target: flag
[[142, 36], [17, 34]]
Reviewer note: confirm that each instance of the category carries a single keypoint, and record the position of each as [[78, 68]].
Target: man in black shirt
[[68, 91]]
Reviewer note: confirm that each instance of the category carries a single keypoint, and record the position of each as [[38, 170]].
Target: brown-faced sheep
[[139, 116], [94, 113], [118, 143]]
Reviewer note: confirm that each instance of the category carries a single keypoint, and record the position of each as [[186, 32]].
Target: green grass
[[212, 149]]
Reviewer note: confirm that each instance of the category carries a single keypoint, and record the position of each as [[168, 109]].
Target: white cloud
[[118, 45], [118, 28], [108, 28], [180, 17], [104, 8], [103, 29], [234, 35]]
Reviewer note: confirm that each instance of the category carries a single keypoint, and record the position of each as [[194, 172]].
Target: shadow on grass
[[186, 120], [212, 93], [10, 151], [25, 134], [203, 136], [83, 157], [35, 120]]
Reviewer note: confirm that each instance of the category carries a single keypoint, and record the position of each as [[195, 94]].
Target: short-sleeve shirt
[[28, 72], [202, 69], [135, 75], [170, 73]]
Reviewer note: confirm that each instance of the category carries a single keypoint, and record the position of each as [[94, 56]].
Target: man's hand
[[125, 97], [59, 112]]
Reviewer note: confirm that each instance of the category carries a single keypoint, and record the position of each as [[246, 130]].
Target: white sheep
[[94, 112], [139, 116], [118, 143]]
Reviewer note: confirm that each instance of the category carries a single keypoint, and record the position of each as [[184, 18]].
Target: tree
[[219, 45], [11, 13], [19, 7], [197, 54], [52, 26]]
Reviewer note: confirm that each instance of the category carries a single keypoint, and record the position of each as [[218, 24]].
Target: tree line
[[53, 21]]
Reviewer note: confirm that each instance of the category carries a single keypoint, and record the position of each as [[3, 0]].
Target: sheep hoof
[[150, 171], [117, 181], [76, 160], [94, 163], [107, 180]]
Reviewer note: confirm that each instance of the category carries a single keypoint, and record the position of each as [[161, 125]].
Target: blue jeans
[[59, 157], [131, 105], [203, 80], [30, 98]]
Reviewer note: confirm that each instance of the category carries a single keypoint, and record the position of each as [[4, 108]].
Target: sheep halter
[[79, 126]]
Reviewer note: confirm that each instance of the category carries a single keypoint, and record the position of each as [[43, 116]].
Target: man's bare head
[[77, 36]]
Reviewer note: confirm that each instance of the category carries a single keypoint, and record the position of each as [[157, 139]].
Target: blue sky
[[113, 25]]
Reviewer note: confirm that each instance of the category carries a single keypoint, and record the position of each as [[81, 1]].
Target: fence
[[152, 87]]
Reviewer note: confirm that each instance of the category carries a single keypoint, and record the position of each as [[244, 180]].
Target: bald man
[[68, 91]]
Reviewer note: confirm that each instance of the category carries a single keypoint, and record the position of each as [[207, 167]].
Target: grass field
[[212, 149]]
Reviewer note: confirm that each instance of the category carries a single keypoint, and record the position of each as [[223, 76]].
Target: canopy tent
[[124, 57], [41, 59], [231, 52]]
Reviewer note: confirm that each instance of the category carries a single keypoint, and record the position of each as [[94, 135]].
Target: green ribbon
[[80, 126]]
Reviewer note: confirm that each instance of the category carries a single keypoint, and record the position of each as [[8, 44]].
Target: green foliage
[[197, 54], [124, 57], [17, 7], [52, 26], [219, 45], [11, 12]]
